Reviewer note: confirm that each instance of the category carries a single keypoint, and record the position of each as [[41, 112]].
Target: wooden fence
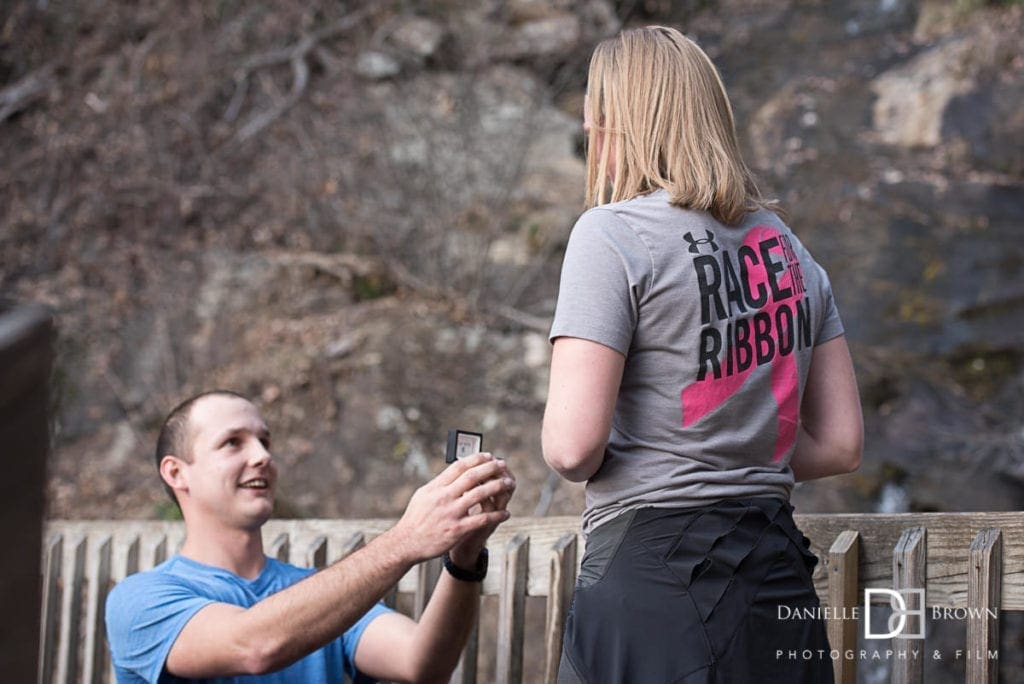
[[26, 359], [966, 562]]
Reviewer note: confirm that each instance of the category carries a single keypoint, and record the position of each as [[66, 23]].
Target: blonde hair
[[662, 120]]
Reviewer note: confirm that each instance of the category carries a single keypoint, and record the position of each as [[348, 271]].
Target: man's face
[[231, 475]]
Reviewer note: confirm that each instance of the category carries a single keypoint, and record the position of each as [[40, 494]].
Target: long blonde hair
[[664, 121]]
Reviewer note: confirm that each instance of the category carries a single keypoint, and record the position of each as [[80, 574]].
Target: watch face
[[462, 444]]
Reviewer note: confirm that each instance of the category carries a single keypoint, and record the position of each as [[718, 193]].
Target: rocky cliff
[[356, 213]]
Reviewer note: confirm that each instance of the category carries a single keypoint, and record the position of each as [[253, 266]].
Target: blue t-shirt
[[147, 611]]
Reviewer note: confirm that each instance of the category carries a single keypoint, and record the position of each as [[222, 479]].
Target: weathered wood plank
[[843, 599], [909, 570], [466, 670], [427, 574], [281, 548], [131, 558], [98, 572], [356, 541], [512, 610], [390, 598], [73, 577], [563, 578], [316, 552], [156, 551], [52, 564], [983, 592], [130, 566], [27, 334], [949, 534], [543, 532], [946, 574]]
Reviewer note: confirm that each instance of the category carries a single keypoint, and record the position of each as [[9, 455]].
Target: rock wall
[[356, 214]]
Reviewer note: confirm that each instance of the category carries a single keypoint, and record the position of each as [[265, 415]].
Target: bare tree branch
[[547, 495], [522, 318], [21, 94], [296, 55], [138, 60], [300, 73]]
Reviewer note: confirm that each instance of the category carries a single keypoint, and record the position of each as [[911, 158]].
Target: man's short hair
[[174, 436]]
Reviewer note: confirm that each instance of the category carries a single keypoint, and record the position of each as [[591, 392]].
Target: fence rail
[[961, 560]]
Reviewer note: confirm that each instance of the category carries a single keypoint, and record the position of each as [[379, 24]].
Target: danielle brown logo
[[906, 603]]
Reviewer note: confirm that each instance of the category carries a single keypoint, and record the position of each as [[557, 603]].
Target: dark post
[[26, 357]]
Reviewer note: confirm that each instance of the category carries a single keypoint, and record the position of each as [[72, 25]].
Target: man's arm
[[585, 379], [395, 648], [224, 640], [831, 436]]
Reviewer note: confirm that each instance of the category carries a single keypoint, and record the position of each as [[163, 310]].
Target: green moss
[[892, 472], [982, 372], [878, 391], [965, 6], [283, 508], [167, 510], [534, 236], [371, 287]]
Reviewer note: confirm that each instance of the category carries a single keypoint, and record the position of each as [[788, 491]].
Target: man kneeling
[[221, 609]]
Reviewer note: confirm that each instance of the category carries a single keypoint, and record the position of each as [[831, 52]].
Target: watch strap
[[477, 574]]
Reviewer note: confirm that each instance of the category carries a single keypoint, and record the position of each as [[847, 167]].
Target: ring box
[[462, 444]]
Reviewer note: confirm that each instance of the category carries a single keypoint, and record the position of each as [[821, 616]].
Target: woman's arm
[[831, 436], [585, 379]]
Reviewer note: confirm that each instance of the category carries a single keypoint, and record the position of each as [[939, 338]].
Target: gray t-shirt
[[718, 325]]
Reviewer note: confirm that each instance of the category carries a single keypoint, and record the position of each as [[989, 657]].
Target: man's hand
[[457, 510], [466, 551]]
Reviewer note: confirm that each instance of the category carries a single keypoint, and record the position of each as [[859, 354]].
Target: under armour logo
[[694, 243]]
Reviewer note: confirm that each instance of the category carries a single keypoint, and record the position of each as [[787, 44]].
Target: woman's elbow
[[574, 463], [572, 473], [853, 452], [851, 461]]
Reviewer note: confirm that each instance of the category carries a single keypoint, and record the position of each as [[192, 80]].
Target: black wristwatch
[[477, 574]]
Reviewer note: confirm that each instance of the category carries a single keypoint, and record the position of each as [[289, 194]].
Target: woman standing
[[699, 368]]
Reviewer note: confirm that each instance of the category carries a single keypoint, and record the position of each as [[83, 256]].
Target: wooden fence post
[[465, 671], [512, 611], [73, 577], [51, 606], [427, 573], [280, 548], [842, 602], [563, 578], [131, 559], [354, 543], [27, 334], [130, 567], [909, 571], [94, 661], [316, 552], [156, 552], [984, 593]]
